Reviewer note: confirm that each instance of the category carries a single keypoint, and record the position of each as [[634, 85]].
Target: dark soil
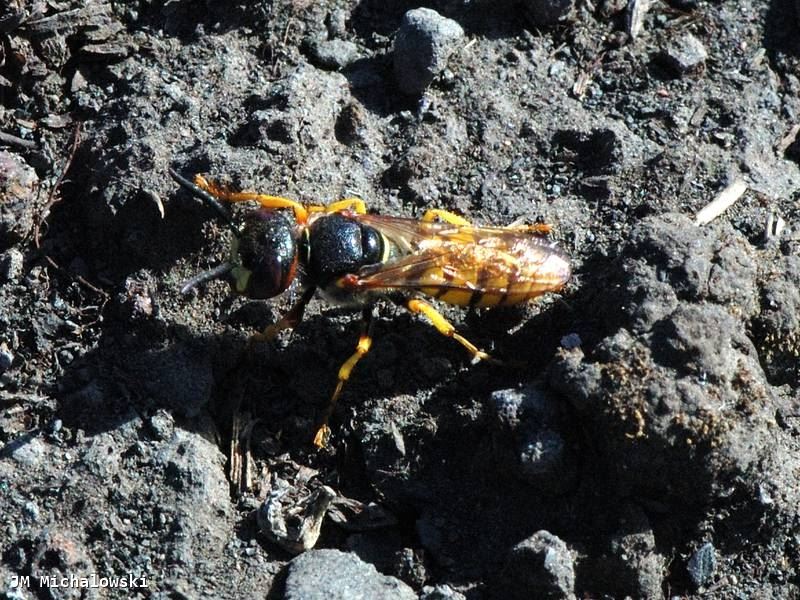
[[651, 446]]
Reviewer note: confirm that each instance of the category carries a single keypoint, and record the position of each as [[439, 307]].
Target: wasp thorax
[[340, 245], [265, 255]]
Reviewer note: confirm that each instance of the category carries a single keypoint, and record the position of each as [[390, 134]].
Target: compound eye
[[371, 245], [268, 255]]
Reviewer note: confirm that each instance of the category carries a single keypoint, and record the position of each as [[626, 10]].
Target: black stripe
[[482, 277], [448, 276]]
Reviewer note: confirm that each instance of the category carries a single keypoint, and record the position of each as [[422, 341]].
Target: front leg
[[265, 200], [289, 320]]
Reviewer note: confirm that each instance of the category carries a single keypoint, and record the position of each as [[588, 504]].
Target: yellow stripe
[[456, 297], [516, 298], [489, 299]]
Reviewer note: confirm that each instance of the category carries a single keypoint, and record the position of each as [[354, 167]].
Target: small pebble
[[333, 54], [31, 509], [440, 592], [6, 358], [539, 567], [11, 265], [162, 425], [685, 54], [702, 565]]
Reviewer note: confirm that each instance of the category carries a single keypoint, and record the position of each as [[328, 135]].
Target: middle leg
[[357, 205], [363, 346], [445, 215], [443, 326]]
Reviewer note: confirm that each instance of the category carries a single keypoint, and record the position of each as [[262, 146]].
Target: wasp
[[354, 258]]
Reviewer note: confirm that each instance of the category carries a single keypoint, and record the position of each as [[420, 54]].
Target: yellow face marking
[[241, 278]]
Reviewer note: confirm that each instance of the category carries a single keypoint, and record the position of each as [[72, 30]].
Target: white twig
[[721, 203]]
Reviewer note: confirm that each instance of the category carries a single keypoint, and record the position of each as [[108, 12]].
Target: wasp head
[[264, 254]]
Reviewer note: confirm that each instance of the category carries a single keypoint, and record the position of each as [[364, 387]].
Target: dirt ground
[[650, 445]]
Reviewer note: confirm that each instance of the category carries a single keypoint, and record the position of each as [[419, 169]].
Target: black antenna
[[210, 200], [205, 276]]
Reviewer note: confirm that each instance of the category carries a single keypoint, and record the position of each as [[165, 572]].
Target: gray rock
[[193, 466], [409, 565], [539, 567], [440, 592], [635, 16], [299, 110], [333, 54], [732, 278], [423, 44], [18, 189], [528, 431], [702, 564], [332, 575], [27, 451]]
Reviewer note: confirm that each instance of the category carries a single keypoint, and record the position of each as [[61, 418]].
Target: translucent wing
[[464, 265]]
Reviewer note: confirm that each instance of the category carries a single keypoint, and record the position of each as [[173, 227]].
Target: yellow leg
[[537, 228], [443, 326], [357, 205], [364, 343], [445, 215], [300, 212], [288, 321]]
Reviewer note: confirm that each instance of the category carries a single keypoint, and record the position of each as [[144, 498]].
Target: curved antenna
[[203, 195], [205, 276]]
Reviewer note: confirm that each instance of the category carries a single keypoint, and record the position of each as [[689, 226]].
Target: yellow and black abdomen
[[496, 273]]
